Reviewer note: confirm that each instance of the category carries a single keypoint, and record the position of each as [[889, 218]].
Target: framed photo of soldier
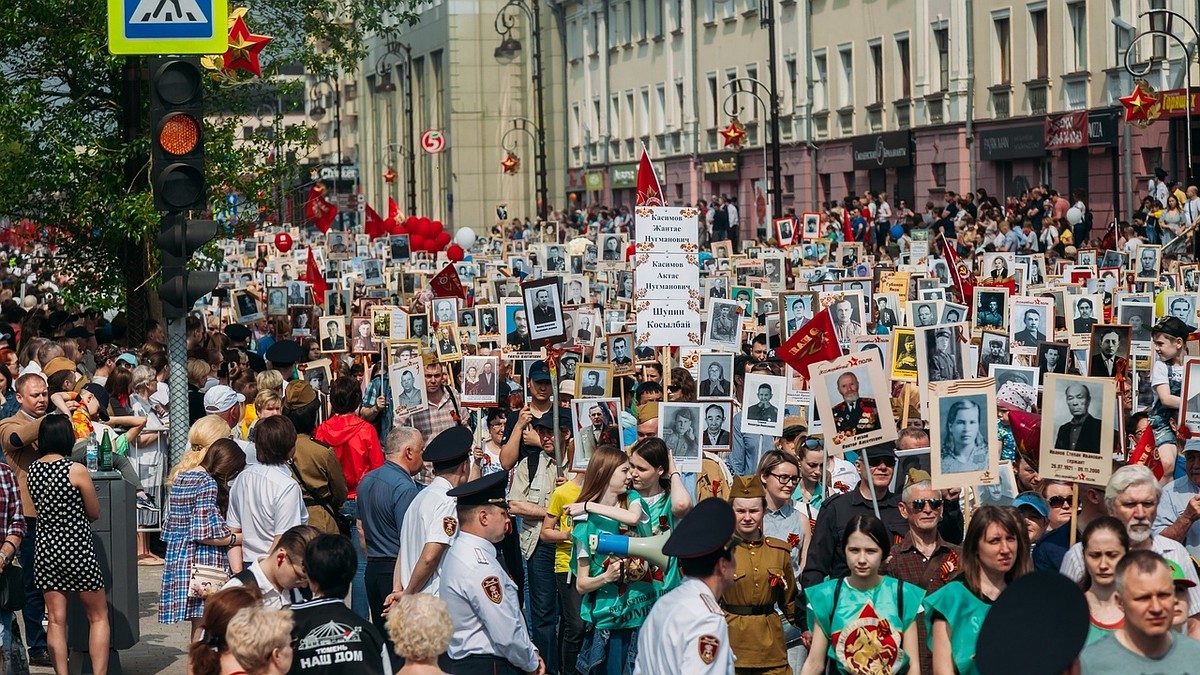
[[620, 353], [567, 364], [904, 355], [941, 354], [1146, 263], [1031, 320], [1110, 350], [480, 380], [991, 308], [763, 399], [1051, 359], [1182, 306], [953, 312], [543, 306], [1189, 412], [724, 329], [717, 432], [853, 400], [785, 231], [408, 388], [1085, 312], [993, 351], [399, 247], [489, 323], [303, 319], [963, 436], [679, 427], [1079, 419], [1027, 375], [418, 328], [445, 310], [593, 380], [715, 375], [924, 313], [810, 226], [362, 339], [247, 307], [333, 334], [277, 301], [318, 374], [447, 343], [595, 419]]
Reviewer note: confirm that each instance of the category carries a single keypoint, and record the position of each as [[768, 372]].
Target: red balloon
[[400, 228], [442, 239], [416, 242], [283, 242], [455, 253], [411, 221], [432, 229]]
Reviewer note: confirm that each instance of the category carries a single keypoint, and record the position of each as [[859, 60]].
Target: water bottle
[[93, 453]]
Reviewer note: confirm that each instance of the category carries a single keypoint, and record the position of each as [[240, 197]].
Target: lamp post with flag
[[510, 46]]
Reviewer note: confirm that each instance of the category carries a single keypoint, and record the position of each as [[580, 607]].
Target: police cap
[[486, 491], [704, 531], [450, 448], [283, 353]]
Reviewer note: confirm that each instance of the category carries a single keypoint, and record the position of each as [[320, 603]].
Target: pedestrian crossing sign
[[167, 27]]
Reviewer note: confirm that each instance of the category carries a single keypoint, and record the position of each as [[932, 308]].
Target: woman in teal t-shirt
[[617, 592], [995, 552], [1105, 542], [866, 622], [664, 499]]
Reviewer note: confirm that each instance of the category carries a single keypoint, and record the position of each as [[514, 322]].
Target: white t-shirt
[[264, 502], [271, 597], [432, 518], [1159, 374]]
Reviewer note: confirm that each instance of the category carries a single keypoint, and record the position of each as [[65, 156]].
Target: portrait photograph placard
[[447, 343], [679, 427], [854, 401], [941, 354], [408, 388], [714, 375], [763, 399], [1051, 359], [543, 307], [1085, 311], [1078, 421], [964, 435], [363, 340], [591, 417], [247, 306], [620, 353], [724, 328], [924, 313], [785, 231], [904, 355], [480, 380], [317, 373], [333, 333], [277, 301], [717, 432], [991, 308], [303, 317], [1031, 320], [993, 350], [1189, 412], [593, 380], [1109, 353]]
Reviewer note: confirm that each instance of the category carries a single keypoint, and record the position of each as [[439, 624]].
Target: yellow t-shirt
[[248, 418], [564, 494]]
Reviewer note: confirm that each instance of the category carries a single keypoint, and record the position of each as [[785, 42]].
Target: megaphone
[[649, 549]]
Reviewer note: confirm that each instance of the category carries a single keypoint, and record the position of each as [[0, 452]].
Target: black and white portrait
[[620, 353], [1051, 358], [1110, 349], [953, 313], [544, 310], [763, 398], [993, 350], [593, 380], [277, 301], [1029, 323], [610, 248], [1139, 317], [679, 427], [400, 248], [408, 388], [556, 259], [444, 310], [317, 374], [941, 353], [965, 421], [1182, 306], [373, 272], [302, 321], [715, 375], [247, 307], [593, 418], [1084, 313], [923, 313], [333, 333], [990, 308], [489, 325], [1077, 416], [1148, 262], [724, 325], [363, 341]]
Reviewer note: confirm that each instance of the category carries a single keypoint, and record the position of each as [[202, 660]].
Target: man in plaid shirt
[[443, 411]]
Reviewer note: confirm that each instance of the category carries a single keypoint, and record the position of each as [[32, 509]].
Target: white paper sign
[[667, 229], [673, 276], [663, 323]]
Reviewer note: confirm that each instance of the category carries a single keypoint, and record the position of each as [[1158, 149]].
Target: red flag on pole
[[374, 227], [649, 189], [446, 284], [847, 231], [964, 281], [393, 211], [814, 342], [1146, 453], [315, 278], [318, 209]]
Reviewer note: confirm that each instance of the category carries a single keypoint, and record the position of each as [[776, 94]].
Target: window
[[1004, 50], [643, 17], [627, 24], [657, 26], [679, 100], [846, 76], [614, 117], [575, 40], [660, 108], [1077, 44], [644, 112], [877, 71], [627, 129], [612, 17], [576, 125], [594, 35], [789, 63], [821, 84], [1041, 47], [904, 57], [714, 95], [677, 15], [1159, 22], [710, 12], [1122, 32], [939, 174], [941, 40], [752, 107]]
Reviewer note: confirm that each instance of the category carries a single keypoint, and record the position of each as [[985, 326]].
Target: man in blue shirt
[[383, 498]]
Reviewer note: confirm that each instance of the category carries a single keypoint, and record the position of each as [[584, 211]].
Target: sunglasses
[[920, 504], [814, 443], [674, 387], [1059, 502], [885, 460]]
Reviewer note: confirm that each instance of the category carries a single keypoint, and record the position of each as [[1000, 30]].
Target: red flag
[[1146, 453], [393, 211], [315, 278], [649, 189], [446, 284], [847, 232], [814, 342], [318, 209], [374, 226], [964, 281]]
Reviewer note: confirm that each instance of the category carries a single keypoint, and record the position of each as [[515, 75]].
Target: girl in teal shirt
[[866, 622], [663, 498], [1105, 542]]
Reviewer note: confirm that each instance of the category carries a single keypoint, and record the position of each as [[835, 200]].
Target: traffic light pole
[[177, 431]]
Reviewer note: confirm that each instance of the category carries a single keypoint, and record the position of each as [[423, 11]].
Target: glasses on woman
[[785, 478], [814, 443], [674, 388]]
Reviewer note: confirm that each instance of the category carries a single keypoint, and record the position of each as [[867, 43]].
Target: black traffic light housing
[[178, 239], [177, 134]]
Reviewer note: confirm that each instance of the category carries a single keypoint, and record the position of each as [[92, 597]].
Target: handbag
[[206, 580], [12, 587]]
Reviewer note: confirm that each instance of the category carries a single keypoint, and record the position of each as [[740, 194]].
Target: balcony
[[1075, 90], [1039, 94], [903, 109], [1001, 95]]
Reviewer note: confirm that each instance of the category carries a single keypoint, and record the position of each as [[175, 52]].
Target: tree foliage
[[72, 162]]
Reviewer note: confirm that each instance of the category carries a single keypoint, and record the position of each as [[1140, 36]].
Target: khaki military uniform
[[316, 467], [763, 581], [713, 479]]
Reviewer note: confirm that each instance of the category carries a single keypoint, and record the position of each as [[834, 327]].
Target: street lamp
[[766, 13], [320, 91], [386, 86], [510, 46], [731, 107]]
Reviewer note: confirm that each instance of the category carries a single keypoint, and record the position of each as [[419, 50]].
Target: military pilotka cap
[[298, 395], [283, 353], [486, 491], [746, 487], [1053, 615], [704, 531], [450, 448], [1173, 327]]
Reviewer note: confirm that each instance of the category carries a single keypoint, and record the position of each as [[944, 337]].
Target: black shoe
[[40, 659], [146, 503]]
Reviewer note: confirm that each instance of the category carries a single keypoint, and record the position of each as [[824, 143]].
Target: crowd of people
[[403, 475]]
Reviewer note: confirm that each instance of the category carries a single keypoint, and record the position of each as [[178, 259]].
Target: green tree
[[74, 147]]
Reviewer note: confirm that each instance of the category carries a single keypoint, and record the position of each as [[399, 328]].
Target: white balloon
[[465, 237], [1074, 215]]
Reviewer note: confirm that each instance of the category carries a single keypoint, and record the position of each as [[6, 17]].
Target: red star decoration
[[389, 176], [734, 134], [510, 163], [244, 48], [1139, 105]]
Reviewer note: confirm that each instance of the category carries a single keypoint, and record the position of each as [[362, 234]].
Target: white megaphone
[[649, 549]]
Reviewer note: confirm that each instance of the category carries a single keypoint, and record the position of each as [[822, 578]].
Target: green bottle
[[106, 451]]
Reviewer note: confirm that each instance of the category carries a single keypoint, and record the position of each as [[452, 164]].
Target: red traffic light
[[179, 134]]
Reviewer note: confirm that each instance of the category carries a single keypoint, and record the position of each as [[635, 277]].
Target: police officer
[[755, 630], [490, 635], [431, 520], [686, 631]]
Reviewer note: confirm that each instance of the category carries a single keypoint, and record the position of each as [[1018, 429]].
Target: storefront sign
[[1102, 127], [879, 151], [721, 166], [593, 181], [624, 176], [1012, 143], [1175, 103], [1066, 131]]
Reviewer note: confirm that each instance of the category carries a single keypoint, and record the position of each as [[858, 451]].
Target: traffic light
[[177, 128], [178, 239]]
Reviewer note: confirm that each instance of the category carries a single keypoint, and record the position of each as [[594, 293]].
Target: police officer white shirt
[[431, 518], [686, 632], [482, 599]]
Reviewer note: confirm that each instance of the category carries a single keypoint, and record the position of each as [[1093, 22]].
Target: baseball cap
[[128, 358], [539, 372], [221, 398], [1034, 501], [1178, 577]]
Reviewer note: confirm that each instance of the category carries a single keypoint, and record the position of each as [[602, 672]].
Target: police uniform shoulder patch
[[449, 525], [708, 645], [712, 605], [493, 589]]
